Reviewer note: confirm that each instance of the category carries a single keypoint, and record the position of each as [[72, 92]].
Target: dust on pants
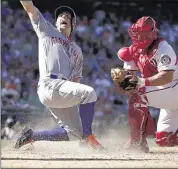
[[69, 119]]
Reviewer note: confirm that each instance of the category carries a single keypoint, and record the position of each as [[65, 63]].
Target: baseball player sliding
[[59, 88], [155, 59]]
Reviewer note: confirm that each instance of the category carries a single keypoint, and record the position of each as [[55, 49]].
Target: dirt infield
[[67, 155]]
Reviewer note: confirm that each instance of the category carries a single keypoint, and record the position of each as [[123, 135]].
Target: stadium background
[[101, 30]]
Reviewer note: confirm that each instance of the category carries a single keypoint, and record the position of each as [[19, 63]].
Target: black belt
[[52, 76]]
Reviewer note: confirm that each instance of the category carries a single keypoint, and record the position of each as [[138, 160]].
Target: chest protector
[[145, 58]]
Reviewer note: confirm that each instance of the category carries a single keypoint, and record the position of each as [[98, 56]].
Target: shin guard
[[140, 121]]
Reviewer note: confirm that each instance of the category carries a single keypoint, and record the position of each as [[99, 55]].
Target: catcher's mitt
[[124, 79]]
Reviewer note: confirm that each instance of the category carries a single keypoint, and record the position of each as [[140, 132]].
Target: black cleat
[[24, 137]]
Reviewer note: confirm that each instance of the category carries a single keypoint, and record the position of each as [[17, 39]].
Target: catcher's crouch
[[157, 87]]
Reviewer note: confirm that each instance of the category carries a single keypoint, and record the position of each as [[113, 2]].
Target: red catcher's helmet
[[143, 32]]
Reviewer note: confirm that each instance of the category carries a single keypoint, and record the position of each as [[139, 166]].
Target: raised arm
[[40, 25], [29, 8]]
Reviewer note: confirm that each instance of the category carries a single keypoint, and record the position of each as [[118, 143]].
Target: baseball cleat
[[137, 146], [24, 137], [91, 142]]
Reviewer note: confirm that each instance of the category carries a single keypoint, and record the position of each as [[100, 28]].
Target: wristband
[[147, 82], [143, 82]]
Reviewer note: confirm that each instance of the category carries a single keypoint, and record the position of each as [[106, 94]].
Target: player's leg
[[57, 93], [140, 123], [63, 94], [28, 136], [67, 94], [77, 124], [61, 133], [164, 98], [77, 94], [69, 119], [167, 100], [69, 126], [167, 128]]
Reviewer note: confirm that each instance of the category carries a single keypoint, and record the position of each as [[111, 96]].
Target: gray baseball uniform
[[61, 57]]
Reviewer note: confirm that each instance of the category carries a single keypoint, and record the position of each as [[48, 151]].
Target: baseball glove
[[124, 79]]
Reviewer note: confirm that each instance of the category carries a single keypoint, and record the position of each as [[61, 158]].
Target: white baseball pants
[[166, 98], [62, 98], [58, 93]]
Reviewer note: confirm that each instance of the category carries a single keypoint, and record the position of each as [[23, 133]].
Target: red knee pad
[[167, 139]]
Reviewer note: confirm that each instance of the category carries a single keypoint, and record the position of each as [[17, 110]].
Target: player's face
[[64, 21], [143, 32]]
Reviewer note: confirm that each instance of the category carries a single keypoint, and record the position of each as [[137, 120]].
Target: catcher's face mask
[[143, 32]]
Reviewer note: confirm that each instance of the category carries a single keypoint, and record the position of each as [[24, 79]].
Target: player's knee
[[44, 100], [166, 139], [90, 95]]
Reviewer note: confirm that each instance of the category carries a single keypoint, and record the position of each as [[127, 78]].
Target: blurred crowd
[[99, 35]]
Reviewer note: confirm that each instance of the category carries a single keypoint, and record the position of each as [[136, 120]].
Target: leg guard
[[140, 121], [167, 139]]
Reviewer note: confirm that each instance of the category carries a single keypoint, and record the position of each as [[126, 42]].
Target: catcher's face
[[63, 22], [143, 32]]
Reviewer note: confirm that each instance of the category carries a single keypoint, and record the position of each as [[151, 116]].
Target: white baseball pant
[[62, 98], [166, 98], [69, 119], [58, 93]]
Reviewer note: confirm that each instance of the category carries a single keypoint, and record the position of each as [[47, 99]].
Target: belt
[[53, 76]]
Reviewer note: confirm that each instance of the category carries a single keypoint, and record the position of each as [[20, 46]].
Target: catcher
[[155, 59]]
